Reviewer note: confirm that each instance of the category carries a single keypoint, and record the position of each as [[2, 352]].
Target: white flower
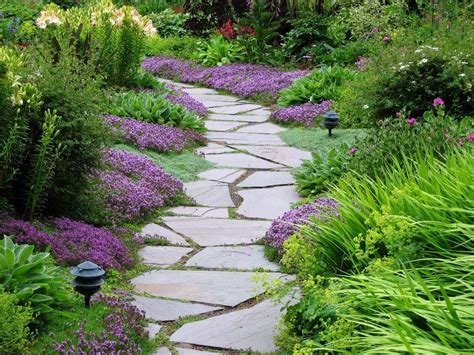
[[48, 17], [366, 107], [423, 61], [117, 18], [462, 75], [418, 50], [149, 29]]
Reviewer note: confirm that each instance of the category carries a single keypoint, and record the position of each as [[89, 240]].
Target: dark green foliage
[[170, 24], [218, 51], [14, 320]]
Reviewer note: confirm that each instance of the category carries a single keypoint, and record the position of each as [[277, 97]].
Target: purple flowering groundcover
[[182, 98], [285, 226], [304, 114], [246, 80]]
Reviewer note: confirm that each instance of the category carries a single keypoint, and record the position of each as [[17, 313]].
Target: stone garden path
[[209, 268]]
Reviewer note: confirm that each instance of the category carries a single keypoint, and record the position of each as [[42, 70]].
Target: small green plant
[[323, 84], [170, 24], [152, 107], [31, 277], [219, 51]]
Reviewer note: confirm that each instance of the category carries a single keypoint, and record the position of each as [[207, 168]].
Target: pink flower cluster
[[71, 242], [246, 80], [134, 186], [304, 114], [153, 136]]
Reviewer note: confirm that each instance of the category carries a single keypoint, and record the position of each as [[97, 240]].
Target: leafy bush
[[17, 20], [317, 175], [146, 6], [178, 47], [154, 108], [170, 24], [31, 277], [324, 84], [218, 51], [406, 75], [14, 319]]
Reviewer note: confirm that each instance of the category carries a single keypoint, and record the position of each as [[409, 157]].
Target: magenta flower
[[438, 102], [459, 141], [411, 121], [352, 151], [470, 137], [386, 39]]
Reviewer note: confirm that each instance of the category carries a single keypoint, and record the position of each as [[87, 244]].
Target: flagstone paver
[[251, 174], [222, 175], [162, 255], [247, 257], [167, 310], [154, 230], [267, 179], [267, 203], [193, 211], [265, 128], [215, 231], [228, 288], [209, 193], [153, 329], [289, 156]]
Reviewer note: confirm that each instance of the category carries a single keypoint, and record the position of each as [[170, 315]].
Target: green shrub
[[317, 175], [324, 84], [152, 107], [178, 47], [406, 75], [146, 7], [16, 20], [219, 51], [14, 319], [170, 24], [31, 277]]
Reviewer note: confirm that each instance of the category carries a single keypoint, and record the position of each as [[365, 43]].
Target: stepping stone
[[163, 256], [237, 118], [245, 138], [248, 257], [227, 288], [288, 156], [209, 193], [166, 310], [174, 83], [214, 148], [267, 179], [211, 103], [210, 97], [214, 231], [252, 329], [265, 128], [222, 175], [232, 110], [154, 230], [261, 112], [153, 329], [241, 160], [200, 91], [267, 203], [162, 351], [183, 351], [222, 126], [201, 212]]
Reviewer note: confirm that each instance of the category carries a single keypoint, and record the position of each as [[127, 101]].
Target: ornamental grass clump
[[152, 136], [305, 114], [285, 226], [134, 186], [71, 242]]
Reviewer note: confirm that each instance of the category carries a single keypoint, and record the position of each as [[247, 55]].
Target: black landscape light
[[88, 279], [331, 120]]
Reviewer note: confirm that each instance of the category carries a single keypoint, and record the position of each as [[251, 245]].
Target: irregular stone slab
[[200, 91], [162, 255], [213, 231], [228, 288], [162, 351], [222, 175], [245, 138], [210, 97], [166, 310], [153, 329], [174, 83], [222, 126], [251, 329], [247, 257], [201, 212], [288, 156], [154, 230], [261, 112], [267, 203], [264, 128], [268, 179], [241, 160], [214, 148], [209, 193], [211, 103], [232, 110], [183, 351], [237, 118]]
